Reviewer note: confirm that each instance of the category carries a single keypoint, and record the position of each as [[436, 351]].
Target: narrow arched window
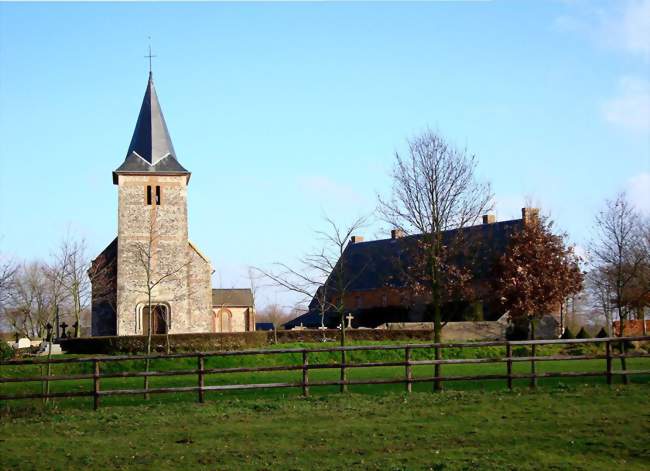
[[149, 195]]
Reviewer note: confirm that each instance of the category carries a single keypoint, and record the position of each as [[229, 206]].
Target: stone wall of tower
[[152, 239]]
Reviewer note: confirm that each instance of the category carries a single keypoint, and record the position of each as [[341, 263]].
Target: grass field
[[567, 423], [315, 375], [580, 427]]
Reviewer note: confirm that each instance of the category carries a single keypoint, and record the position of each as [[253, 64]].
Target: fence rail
[[438, 379]]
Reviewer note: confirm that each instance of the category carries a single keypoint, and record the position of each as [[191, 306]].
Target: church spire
[[151, 139], [151, 149]]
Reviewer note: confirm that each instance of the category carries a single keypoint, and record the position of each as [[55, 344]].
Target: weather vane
[[150, 56]]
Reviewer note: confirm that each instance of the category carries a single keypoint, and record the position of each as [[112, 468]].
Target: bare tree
[[159, 267], [30, 302], [75, 280], [323, 275], [616, 255], [253, 278], [617, 251], [435, 190], [55, 274], [276, 315], [8, 269], [601, 291]]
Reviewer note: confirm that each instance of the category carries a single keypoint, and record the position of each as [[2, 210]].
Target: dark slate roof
[[232, 297], [264, 326], [151, 149], [376, 264], [106, 255]]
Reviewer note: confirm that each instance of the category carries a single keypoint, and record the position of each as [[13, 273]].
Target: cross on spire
[[149, 56]]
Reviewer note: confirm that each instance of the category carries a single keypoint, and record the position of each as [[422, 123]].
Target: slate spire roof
[[151, 149]]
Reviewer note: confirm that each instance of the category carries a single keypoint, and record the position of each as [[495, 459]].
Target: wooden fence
[[305, 366]]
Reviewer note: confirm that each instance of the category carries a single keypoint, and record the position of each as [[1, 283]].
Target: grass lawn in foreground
[[314, 375], [569, 427]]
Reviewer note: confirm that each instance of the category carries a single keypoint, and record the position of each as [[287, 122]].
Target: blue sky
[[286, 111]]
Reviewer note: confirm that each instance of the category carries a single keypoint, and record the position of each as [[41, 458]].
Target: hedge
[[6, 351], [567, 335], [583, 334], [131, 344]]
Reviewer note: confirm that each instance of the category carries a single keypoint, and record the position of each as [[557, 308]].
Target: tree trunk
[[437, 328], [532, 329], [147, 361], [344, 375], [622, 344]]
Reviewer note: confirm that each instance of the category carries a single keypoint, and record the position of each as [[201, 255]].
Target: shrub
[[6, 352], [583, 334], [517, 330], [178, 343], [131, 344], [602, 333], [568, 334]]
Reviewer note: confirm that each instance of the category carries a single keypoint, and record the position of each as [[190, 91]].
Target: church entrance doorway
[[159, 319], [223, 321]]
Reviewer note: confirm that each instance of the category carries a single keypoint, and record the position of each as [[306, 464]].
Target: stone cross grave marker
[[349, 318]]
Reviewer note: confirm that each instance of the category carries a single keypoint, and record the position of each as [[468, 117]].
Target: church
[[151, 276]]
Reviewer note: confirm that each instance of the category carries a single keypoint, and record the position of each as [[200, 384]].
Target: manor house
[[379, 293], [151, 262]]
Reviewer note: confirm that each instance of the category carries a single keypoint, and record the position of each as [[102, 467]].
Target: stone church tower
[[151, 260]]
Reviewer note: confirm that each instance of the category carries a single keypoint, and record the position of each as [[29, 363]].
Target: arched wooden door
[[158, 319]]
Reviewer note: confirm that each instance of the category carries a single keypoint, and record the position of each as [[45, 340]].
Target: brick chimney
[[356, 239], [396, 233], [530, 215], [489, 219]]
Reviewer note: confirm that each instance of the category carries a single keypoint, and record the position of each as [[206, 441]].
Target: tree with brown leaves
[[537, 273]]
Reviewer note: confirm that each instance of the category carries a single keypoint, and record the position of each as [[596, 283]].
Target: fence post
[[409, 372], [201, 366], [305, 374], [437, 382], [608, 352], [533, 369], [509, 363], [146, 378], [95, 384], [621, 344]]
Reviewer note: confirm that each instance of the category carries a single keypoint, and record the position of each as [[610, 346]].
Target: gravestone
[[44, 349], [49, 328], [23, 342]]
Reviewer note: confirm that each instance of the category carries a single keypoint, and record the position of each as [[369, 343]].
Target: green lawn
[[562, 427], [315, 375]]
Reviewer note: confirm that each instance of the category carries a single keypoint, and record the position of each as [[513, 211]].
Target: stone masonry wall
[[159, 231]]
